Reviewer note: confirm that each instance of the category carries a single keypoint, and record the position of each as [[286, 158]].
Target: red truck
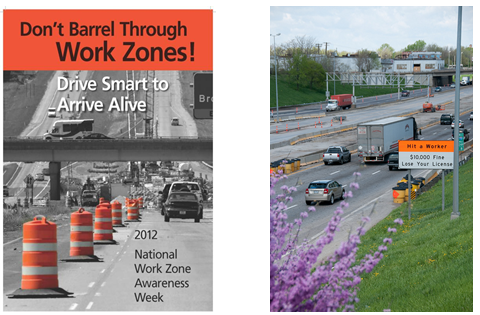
[[344, 100]]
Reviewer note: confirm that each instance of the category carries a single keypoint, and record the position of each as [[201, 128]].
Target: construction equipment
[[428, 107]]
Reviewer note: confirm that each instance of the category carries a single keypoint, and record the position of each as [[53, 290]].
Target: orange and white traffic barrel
[[39, 258], [140, 203], [103, 223], [132, 210], [117, 213], [81, 233]]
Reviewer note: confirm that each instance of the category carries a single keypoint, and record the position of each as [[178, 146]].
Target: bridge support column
[[54, 168]]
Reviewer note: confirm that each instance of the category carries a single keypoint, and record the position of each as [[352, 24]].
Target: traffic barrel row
[[39, 257]]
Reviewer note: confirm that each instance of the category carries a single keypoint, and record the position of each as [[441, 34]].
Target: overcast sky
[[353, 28]]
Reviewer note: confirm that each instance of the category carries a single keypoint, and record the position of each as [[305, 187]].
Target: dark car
[[163, 198], [393, 161], [183, 205], [466, 134], [438, 89], [446, 119], [405, 93], [96, 136]]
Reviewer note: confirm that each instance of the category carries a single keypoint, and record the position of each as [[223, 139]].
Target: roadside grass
[[20, 102], [289, 95], [429, 265], [13, 220]]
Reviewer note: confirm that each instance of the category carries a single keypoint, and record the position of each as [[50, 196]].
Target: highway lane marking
[[91, 284], [89, 306], [376, 172], [73, 307], [13, 176], [422, 138], [98, 294], [335, 172], [102, 271], [103, 284], [355, 211], [434, 133], [291, 207]]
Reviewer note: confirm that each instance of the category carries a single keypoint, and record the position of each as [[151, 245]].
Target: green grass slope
[[429, 265]]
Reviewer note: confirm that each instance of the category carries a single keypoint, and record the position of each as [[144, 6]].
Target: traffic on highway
[[317, 182]]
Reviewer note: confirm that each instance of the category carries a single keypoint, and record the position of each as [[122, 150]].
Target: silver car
[[324, 190]]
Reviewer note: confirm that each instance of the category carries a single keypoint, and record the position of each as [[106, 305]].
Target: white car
[[452, 85], [39, 177], [471, 116], [460, 123]]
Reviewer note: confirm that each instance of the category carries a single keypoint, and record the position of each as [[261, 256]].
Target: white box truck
[[377, 139]]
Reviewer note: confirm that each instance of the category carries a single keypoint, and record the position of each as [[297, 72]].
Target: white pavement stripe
[[103, 284], [91, 284], [291, 207], [102, 271], [89, 306], [335, 172], [73, 307], [376, 172]]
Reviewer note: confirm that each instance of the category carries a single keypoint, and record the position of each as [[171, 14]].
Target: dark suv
[[405, 93], [466, 134], [393, 161], [446, 119]]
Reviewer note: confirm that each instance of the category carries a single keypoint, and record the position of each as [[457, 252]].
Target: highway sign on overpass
[[425, 154]]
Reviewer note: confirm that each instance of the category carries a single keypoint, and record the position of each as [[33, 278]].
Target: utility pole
[[326, 44], [456, 213], [318, 48], [276, 84]]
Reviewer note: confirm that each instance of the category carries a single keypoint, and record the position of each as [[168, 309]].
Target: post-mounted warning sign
[[425, 154]]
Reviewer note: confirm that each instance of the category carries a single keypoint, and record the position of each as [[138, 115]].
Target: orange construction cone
[[103, 233], [39, 261]]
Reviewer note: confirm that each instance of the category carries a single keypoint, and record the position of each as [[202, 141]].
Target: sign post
[[425, 154]]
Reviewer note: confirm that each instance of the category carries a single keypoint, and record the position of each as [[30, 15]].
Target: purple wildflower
[[394, 230], [387, 240], [399, 221]]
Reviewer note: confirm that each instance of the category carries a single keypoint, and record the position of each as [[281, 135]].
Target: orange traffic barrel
[[117, 213], [101, 200], [103, 223], [140, 203], [81, 233], [39, 258], [132, 210]]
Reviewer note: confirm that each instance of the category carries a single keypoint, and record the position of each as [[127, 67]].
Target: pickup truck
[[337, 154]]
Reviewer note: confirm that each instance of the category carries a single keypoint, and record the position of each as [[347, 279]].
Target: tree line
[[305, 64]]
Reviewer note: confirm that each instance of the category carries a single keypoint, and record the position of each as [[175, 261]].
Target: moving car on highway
[[452, 85], [460, 123], [438, 89], [69, 129], [471, 116], [393, 161], [405, 93], [183, 205], [324, 190], [337, 154], [175, 121], [96, 136], [466, 134], [446, 119], [5, 191], [39, 177]]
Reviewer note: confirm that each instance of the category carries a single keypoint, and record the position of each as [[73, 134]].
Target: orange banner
[[425, 146], [108, 40]]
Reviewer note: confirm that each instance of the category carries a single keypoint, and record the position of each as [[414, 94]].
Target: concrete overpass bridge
[[445, 76], [115, 150]]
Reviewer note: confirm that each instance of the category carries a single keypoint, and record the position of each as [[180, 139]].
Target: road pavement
[[115, 284]]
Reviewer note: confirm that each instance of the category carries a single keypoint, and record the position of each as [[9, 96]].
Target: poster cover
[[108, 168]]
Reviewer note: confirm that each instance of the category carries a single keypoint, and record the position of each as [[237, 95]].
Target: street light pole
[[276, 84]]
